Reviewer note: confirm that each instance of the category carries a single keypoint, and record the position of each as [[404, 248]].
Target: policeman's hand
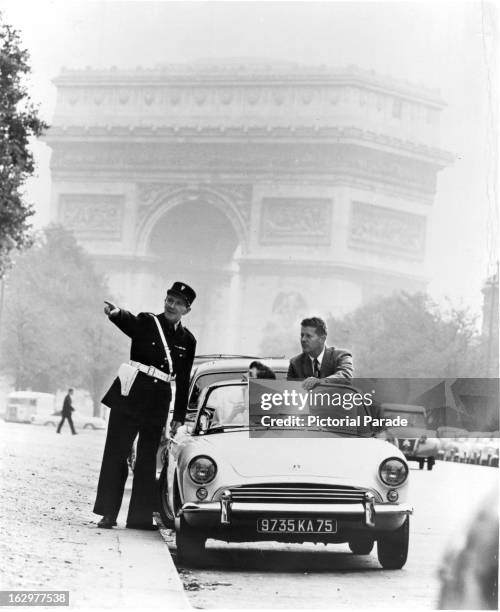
[[310, 383], [110, 308], [174, 426]]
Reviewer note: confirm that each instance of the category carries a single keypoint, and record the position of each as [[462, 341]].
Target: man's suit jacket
[[148, 393], [337, 363], [67, 408]]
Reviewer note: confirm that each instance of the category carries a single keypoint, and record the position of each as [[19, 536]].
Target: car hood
[[331, 457]]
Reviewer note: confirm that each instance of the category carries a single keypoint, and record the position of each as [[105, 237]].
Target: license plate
[[295, 525]]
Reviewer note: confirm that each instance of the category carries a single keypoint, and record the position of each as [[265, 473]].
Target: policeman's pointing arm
[[110, 308]]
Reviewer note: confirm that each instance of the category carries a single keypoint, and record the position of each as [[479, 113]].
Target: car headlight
[[202, 469], [393, 471]]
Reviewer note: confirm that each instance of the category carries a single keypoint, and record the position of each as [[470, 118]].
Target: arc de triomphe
[[277, 190]]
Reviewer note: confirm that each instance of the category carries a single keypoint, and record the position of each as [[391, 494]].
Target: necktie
[[316, 368]]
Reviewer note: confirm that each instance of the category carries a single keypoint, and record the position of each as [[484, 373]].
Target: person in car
[[317, 361], [257, 369]]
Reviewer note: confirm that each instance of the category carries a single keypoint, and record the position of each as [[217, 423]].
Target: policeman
[[144, 410]]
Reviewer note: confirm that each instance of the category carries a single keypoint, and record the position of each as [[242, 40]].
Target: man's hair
[[263, 371], [318, 324]]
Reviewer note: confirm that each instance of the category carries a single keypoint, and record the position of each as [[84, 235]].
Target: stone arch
[[165, 201], [196, 235]]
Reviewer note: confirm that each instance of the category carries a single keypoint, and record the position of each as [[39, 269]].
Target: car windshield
[[226, 407], [204, 380]]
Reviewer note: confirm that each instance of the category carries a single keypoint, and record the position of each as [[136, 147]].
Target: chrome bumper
[[226, 509]]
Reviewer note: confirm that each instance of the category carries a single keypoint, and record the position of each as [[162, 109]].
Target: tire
[[190, 543], [392, 548], [166, 515], [361, 546], [430, 463]]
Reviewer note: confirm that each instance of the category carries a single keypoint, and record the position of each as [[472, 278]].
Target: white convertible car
[[219, 482]]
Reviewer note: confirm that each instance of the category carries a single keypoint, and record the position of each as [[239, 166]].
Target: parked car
[[220, 482], [80, 421], [22, 406], [415, 441], [490, 451]]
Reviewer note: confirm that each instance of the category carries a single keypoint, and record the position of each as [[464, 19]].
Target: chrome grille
[[297, 493]]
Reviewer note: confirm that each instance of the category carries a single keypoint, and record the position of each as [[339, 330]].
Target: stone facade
[[277, 190]]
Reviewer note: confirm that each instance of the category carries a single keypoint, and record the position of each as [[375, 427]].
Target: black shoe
[[107, 522], [143, 526]]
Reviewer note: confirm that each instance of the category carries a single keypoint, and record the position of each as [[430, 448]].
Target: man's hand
[[310, 383], [110, 308], [174, 426]]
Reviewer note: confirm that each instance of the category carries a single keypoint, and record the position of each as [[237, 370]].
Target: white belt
[[152, 371]]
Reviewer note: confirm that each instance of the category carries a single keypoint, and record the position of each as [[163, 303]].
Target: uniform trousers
[[123, 427]]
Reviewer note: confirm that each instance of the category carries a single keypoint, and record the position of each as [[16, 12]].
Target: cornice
[[248, 71], [270, 134]]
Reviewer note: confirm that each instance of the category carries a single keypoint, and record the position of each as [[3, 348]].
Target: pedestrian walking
[[67, 409], [162, 350]]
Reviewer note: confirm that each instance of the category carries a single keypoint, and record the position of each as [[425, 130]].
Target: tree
[[54, 334], [19, 122], [410, 336]]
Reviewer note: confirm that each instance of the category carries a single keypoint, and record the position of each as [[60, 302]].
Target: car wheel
[[392, 548], [190, 542], [430, 463], [361, 546], [166, 515]]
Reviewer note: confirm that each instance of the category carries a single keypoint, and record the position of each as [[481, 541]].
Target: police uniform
[[144, 411]]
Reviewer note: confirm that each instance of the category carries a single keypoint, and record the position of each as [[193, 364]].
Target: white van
[[22, 406]]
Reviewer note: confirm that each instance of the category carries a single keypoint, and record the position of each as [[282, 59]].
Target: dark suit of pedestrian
[[67, 409], [144, 412], [336, 363]]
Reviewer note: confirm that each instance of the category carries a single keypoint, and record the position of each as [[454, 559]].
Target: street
[[45, 516]]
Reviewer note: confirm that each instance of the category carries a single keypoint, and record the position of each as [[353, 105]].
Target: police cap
[[184, 291]]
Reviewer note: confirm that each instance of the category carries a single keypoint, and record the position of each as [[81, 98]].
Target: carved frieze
[[295, 221], [200, 157], [378, 228], [92, 216]]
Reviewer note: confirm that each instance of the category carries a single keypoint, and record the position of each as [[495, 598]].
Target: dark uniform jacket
[[337, 363], [148, 393]]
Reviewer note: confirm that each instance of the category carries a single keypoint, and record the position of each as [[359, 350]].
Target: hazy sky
[[452, 46]]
